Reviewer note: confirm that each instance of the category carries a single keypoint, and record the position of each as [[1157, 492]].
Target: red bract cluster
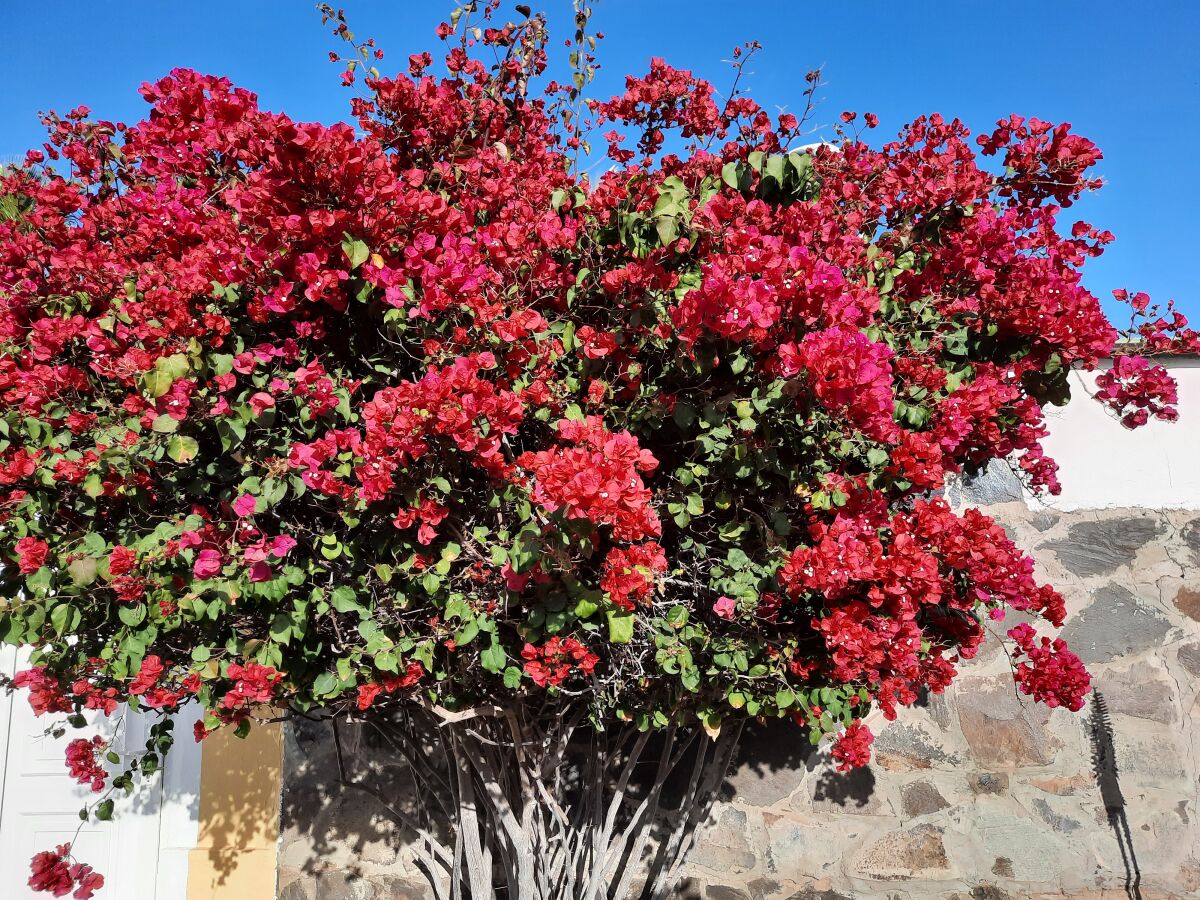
[[1136, 391], [45, 692], [54, 873], [629, 573], [554, 661], [389, 684], [31, 554], [83, 763], [253, 686], [852, 749], [599, 479], [303, 415], [1049, 672], [850, 375]]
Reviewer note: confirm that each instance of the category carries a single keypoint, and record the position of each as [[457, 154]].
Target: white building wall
[[1104, 465]]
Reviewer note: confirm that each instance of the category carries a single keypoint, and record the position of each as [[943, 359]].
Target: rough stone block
[[1004, 733], [1034, 853], [1141, 692], [995, 484], [1190, 534], [1101, 547], [914, 744], [921, 798], [913, 853], [725, 845], [1189, 658], [1056, 820], [1187, 601], [988, 783], [1116, 624]]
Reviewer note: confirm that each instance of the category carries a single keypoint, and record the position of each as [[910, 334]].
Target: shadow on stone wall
[[977, 794], [355, 842], [1104, 763]]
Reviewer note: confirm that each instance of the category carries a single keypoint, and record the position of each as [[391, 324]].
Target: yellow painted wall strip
[[235, 854]]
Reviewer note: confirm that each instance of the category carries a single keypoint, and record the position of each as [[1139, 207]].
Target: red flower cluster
[[31, 554], [45, 693], [628, 574], [1135, 390], [555, 660], [852, 749], [850, 375], [389, 684], [54, 873], [598, 480], [879, 575], [84, 764], [1047, 671], [147, 685], [253, 685]]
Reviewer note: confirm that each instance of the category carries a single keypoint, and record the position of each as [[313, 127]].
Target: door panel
[[40, 803]]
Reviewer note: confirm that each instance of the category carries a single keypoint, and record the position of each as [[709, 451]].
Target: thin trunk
[[511, 805]]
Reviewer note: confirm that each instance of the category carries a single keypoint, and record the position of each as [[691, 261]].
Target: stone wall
[[982, 794], [976, 795]]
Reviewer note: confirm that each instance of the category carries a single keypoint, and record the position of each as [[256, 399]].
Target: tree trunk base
[[512, 805]]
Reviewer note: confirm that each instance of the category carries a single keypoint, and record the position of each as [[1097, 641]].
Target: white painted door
[[40, 803]]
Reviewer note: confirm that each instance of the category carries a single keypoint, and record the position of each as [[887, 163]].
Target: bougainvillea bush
[[411, 421]]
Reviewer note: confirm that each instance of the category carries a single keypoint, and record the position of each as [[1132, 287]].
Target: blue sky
[[1128, 77]]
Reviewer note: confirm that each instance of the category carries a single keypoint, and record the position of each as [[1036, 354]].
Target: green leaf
[[65, 618], [39, 582], [494, 657], [132, 614], [232, 432], [182, 449], [82, 571], [690, 678], [325, 684], [467, 633], [356, 252], [620, 627], [684, 414], [667, 228], [512, 677], [281, 627], [423, 653], [774, 167], [877, 457], [166, 370], [157, 382], [345, 600], [729, 175], [104, 811]]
